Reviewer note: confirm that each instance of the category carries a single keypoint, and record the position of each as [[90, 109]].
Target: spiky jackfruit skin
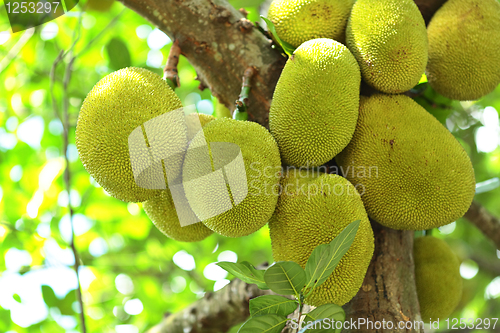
[[262, 164], [116, 105], [312, 210], [412, 173], [297, 21], [464, 39], [191, 122], [389, 40], [161, 211], [315, 104], [437, 276]]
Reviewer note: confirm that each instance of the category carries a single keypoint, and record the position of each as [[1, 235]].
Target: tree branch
[[388, 291], [484, 221], [215, 312], [220, 43]]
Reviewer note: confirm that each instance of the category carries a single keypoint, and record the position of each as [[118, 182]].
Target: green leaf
[[329, 311], [49, 296], [326, 257], [272, 304], [118, 54], [65, 305], [436, 104], [285, 278], [288, 48], [17, 298], [270, 323], [245, 272]]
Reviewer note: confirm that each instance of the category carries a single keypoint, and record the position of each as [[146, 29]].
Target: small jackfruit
[[389, 40], [161, 211], [191, 122], [410, 170], [297, 21], [229, 176], [437, 276], [312, 210], [315, 104], [118, 104], [464, 44], [99, 5]]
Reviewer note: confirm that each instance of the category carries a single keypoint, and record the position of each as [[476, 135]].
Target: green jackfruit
[[232, 191], [315, 104], [464, 44], [437, 275], [119, 103], [389, 40], [312, 210], [191, 119], [297, 21], [409, 169], [161, 211]]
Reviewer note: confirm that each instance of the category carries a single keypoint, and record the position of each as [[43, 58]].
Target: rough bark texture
[[215, 312], [388, 291], [484, 221], [220, 43]]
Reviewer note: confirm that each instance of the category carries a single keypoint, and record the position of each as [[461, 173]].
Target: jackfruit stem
[[170, 73], [240, 113]]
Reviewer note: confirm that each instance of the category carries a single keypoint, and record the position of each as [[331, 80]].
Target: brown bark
[[220, 43], [484, 221], [215, 312], [388, 292]]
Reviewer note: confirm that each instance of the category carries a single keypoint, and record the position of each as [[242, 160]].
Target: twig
[[64, 118], [170, 73], [484, 221], [241, 112]]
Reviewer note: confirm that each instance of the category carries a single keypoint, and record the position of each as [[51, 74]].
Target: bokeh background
[[131, 274]]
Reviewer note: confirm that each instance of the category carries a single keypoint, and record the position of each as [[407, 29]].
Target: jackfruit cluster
[[312, 210], [437, 276], [313, 126], [414, 174]]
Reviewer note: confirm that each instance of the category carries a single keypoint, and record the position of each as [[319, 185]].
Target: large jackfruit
[[297, 21], [161, 211], [389, 40], [410, 170], [229, 176], [315, 104], [313, 209], [119, 103], [464, 44], [437, 275]]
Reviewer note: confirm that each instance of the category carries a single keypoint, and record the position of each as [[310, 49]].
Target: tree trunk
[[220, 44]]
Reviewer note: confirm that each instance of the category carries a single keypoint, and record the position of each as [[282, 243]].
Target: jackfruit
[[389, 40], [192, 126], [161, 211], [297, 21], [119, 103], [437, 275], [464, 44], [229, 176], [315, 104], [410, 170], [312, 210]]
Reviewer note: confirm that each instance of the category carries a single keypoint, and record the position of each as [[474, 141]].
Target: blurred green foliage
[[129, 275]]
